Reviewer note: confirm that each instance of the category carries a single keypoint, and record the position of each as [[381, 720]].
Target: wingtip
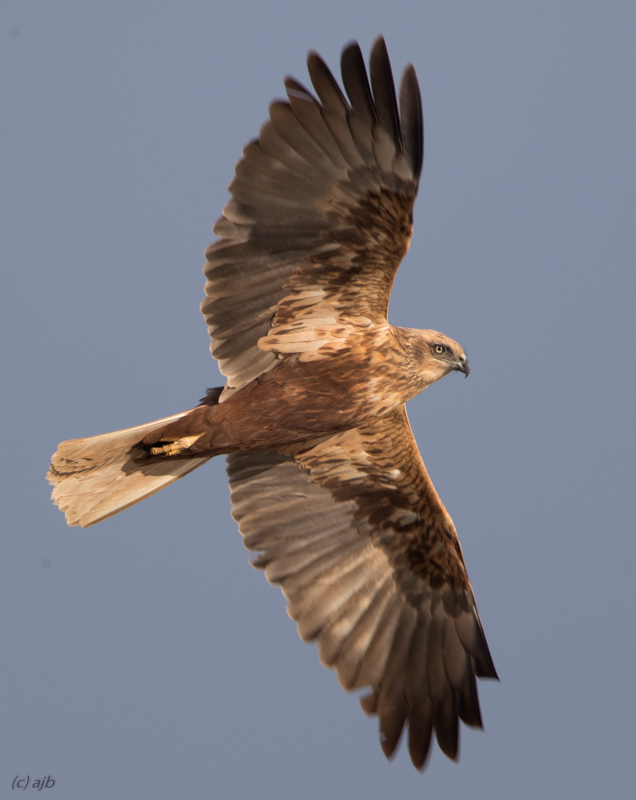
[[379, 48], [352, 44], [485, 667], [379, 42], [412, 119]]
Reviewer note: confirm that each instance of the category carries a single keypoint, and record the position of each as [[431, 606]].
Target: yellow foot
[[176, 447]]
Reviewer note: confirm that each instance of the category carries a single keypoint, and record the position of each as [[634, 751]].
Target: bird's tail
[[100, 476]]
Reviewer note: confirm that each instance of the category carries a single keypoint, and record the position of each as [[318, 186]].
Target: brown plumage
[[327, 483]]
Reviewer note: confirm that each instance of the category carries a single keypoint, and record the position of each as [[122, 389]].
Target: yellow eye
[[439, 349]]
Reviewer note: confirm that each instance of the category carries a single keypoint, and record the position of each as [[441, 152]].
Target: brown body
[[377, 372]]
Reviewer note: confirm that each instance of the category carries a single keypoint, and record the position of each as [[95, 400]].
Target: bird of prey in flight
[[327, 484]]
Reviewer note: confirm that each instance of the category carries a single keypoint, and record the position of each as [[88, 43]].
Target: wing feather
[[308, 113], [340, 625], [391, 704], [384, 91], [356, 83], [421, 730], [412, 119], [357, 643]]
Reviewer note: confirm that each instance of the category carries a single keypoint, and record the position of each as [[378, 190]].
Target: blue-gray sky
[[144, 657]]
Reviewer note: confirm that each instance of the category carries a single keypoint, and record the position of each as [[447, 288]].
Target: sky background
[[144, 657]]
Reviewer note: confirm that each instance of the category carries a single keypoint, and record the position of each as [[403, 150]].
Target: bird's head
[[433, 355]]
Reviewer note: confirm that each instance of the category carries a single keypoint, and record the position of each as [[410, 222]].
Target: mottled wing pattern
[[354, 532], [319, 220]]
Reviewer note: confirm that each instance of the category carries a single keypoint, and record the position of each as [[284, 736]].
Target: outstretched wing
[[354, 532], [319, 220]]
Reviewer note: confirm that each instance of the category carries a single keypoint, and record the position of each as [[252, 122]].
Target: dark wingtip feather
[[325, 84], [486, 669], [420, 734], [384, 90], [412, 120], [468, 707], [484, 666], [356, 82], [446, 724], [391, 727]]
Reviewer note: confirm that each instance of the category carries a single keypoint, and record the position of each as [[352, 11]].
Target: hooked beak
[[462, 365]]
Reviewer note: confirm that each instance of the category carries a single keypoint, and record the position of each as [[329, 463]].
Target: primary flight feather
[[327, 484]]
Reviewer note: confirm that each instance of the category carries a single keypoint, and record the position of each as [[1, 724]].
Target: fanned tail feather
[[97, 477]]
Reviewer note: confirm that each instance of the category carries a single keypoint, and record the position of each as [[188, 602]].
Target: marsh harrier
[[327, 483]]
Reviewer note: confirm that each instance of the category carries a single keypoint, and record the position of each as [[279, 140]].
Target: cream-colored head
[[431, 355]]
